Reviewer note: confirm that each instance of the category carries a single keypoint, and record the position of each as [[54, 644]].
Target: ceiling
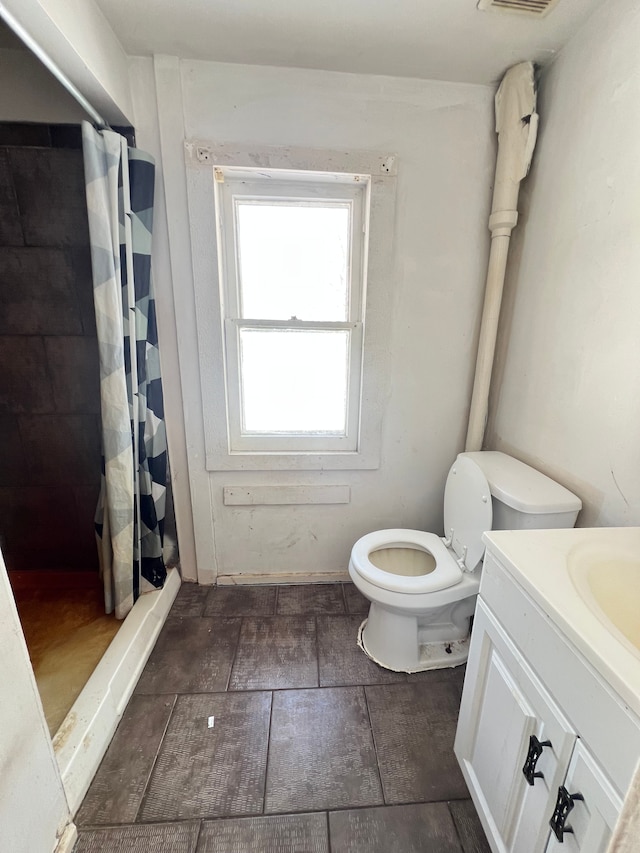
[[430, 39]]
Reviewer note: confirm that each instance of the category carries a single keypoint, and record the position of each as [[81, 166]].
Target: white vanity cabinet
[[532, 702], [504, 705], [592, 819]]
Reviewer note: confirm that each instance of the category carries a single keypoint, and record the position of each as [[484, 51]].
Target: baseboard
[[282, 578], [67, 840]]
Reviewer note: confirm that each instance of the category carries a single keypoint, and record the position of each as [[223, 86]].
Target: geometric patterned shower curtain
[[130, 514]]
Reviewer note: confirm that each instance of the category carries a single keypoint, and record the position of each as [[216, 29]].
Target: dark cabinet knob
[[534, 753], [564, 805]]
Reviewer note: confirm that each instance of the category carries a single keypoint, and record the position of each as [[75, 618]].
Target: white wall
[[33, 809], [30, 93], [567, 383], [76, 37], [442, 135]]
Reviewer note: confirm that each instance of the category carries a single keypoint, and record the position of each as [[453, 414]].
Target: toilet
[[422, 587]]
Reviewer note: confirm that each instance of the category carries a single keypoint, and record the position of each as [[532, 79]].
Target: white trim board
[[171, 131], [67, 840], [285, 495], [205, 268], [282, 578]]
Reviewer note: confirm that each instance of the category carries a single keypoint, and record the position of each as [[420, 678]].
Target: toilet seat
[[447, 572], [468, 510]]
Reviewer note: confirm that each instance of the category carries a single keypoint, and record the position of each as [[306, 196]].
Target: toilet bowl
[[419, 619], [422, 587]]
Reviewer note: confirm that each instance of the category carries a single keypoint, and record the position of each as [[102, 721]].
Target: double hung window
[[292, 250]]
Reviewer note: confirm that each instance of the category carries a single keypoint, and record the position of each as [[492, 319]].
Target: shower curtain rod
[[46, 60]]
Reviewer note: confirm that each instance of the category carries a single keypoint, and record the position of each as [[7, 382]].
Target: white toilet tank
[[523, 498]]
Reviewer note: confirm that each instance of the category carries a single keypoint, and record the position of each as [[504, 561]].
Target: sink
[[609, 584], [587, 581]]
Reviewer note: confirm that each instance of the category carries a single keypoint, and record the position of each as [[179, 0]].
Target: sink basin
[[609, 584], [587, 582]]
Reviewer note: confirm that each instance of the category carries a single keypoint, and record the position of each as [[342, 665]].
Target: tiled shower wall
[[49, 375]]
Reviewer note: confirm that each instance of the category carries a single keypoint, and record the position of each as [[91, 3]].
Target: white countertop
[[538, 561]]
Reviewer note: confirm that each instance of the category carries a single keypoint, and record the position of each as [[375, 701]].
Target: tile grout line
[[235, 656], [100, 827], [375, 746], [154, 762], [266, 763], [315, 622], [328, 832], [334, 809], [455, 827], [283, 689], [92, 827], [201, 824], [204, 603]]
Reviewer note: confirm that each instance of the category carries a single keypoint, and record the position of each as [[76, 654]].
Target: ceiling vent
[[537, 8]]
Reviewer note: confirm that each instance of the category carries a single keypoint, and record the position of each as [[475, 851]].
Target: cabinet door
[[503, 705], [591, 819]]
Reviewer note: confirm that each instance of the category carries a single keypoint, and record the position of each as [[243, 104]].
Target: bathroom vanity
[[549, 730]]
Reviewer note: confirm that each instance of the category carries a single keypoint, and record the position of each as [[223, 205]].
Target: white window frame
[[377, 307], [234, 185]]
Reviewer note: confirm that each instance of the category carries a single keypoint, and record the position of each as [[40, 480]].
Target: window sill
[[343, 461]]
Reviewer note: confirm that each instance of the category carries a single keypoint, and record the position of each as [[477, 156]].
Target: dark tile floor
[[258, 725]]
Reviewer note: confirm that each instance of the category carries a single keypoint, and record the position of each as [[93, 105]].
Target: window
[[292, 250], [326, 312]]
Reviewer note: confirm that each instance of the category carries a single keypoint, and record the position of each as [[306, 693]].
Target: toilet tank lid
[[521, 487]]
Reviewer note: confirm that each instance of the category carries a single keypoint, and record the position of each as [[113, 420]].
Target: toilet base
[[434, 655]]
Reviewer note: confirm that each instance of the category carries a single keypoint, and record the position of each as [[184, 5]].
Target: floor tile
[[321, 753], [310, 599], [118, 787], [414, 728], [241, 601], [340, 659], [452, 675], [356, 602], [211, 767], [305, 833], [162, 838], [406, 829], [469, 827], [189, 601], [192, 655], [274, 653]]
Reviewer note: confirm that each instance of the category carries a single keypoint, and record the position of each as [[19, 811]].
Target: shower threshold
[[85, 733]]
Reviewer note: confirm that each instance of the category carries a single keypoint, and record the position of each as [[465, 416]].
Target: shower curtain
[[130, 514]]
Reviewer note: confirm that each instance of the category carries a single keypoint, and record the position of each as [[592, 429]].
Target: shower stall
[[85, 662]]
